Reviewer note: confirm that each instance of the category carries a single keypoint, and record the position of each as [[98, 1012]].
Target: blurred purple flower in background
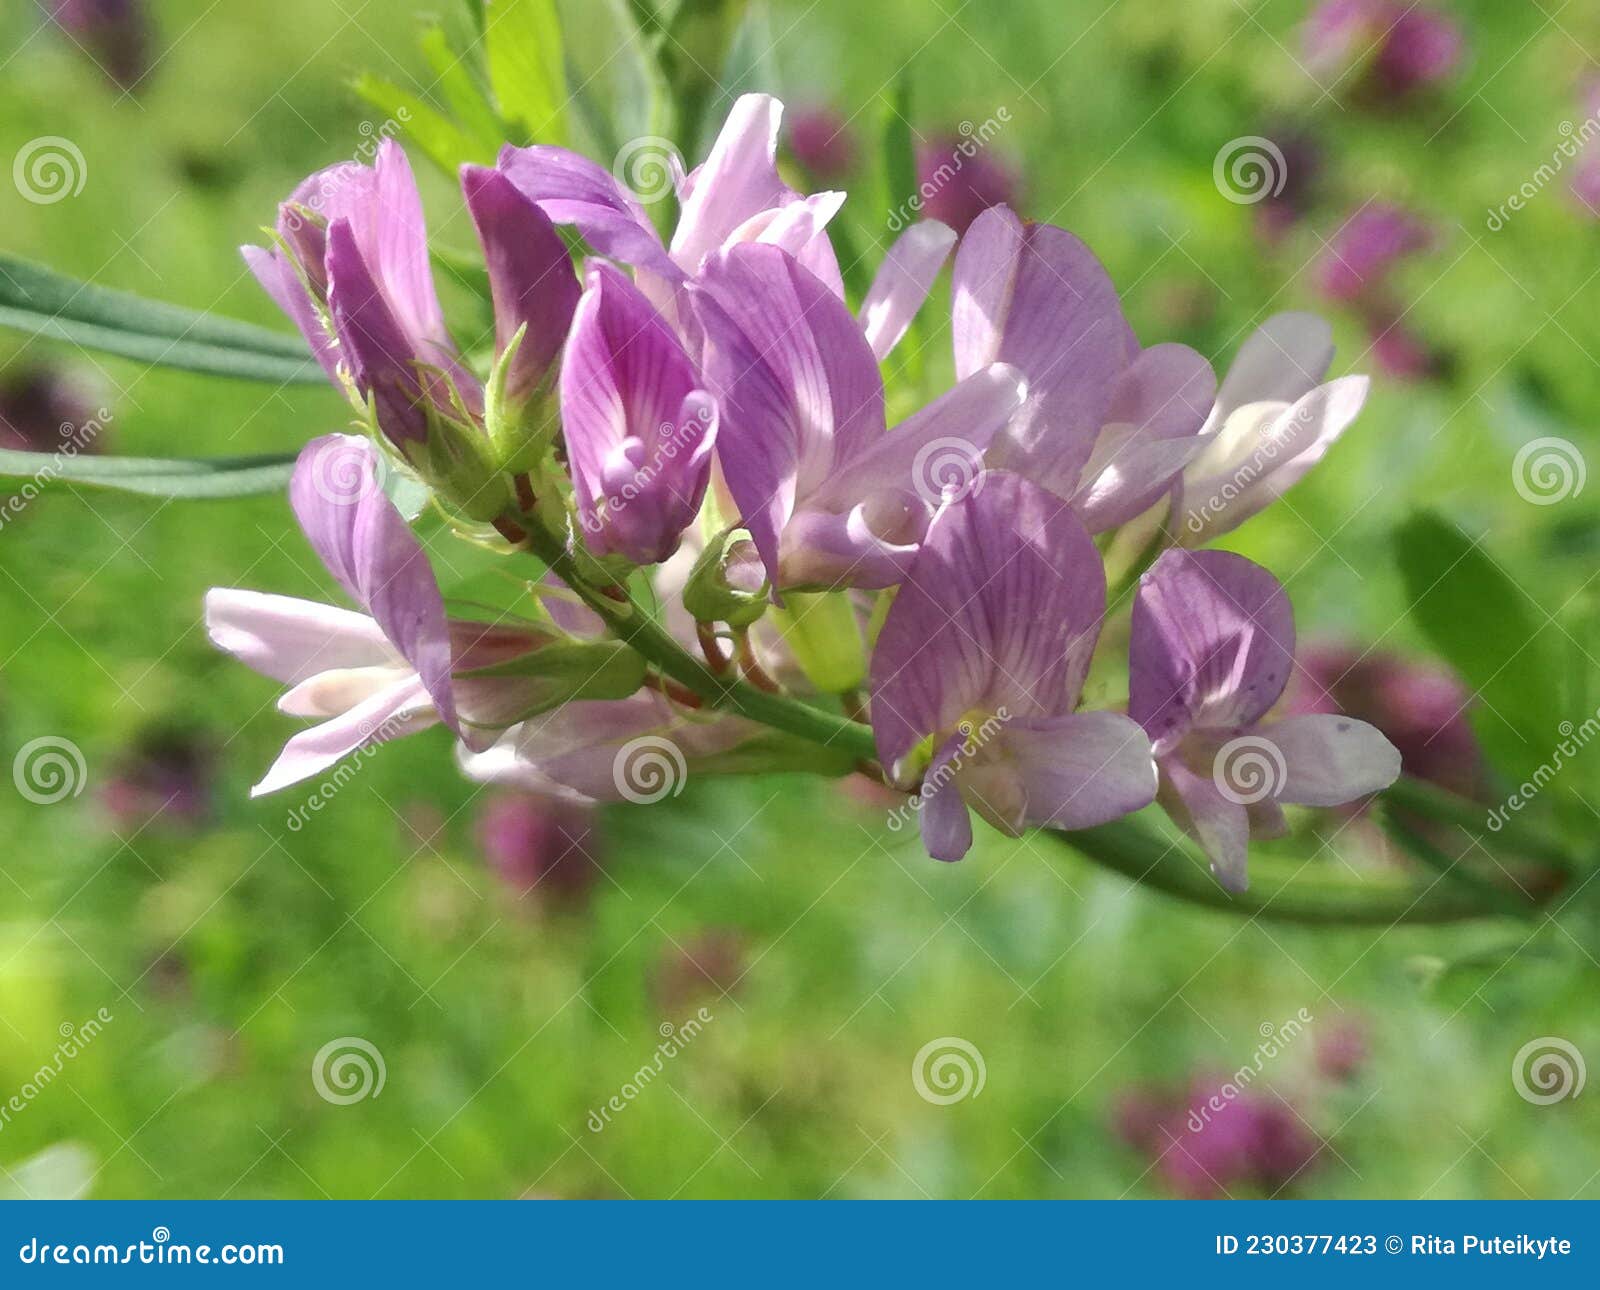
[[1303, 164], [823, 144], [1585, 181], [960, 179], [1366, 249], [707, 965], [542, 843], [42, 409], [1216, 1139], [165, 779], [1399, 46], [114, 33], [1342, 1049], [1419, 707]]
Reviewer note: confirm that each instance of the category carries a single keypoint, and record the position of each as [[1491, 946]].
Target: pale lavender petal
[[739, 179], [1219, 824], [401, 709], [1082, 770], [366, 545], [1002, 605], [1280, 361], [530, 274], [903, 282], [289, 639], [1330, 759], [870, 546], [800, 228], [1212, 644], [394, 239], [946, 826], [1036, 297]]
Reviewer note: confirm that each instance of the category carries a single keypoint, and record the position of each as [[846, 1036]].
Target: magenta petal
[[903, 282], [1330, 760], [1000, 611], [571, 189], [530, 274], [1212, 644], [738, 181], [1082, 770], [362, 539], [1036, 297], [796, 383]]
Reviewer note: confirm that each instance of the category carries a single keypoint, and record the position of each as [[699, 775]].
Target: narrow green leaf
[[899, 152], [442, 141], [175, 477], [42, 302], [467, 98], [1485, 627], [526, 68]]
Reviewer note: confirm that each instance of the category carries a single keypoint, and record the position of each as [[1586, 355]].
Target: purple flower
[[115, 34], [1303, 163], [639, 429], [45, 410], [1271, 423], [372, 676], [1342, 1049], [1211, 651], [1402, 46], [1420, 708], [824, 145], [165, 778], [1399, 352], [959, 179], [540, 842], [706, 965], [1106, 425], [979, 667], [1366, 249], [829, 496]]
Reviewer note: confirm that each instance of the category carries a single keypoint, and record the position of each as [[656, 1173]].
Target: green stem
[[1422, 798], [1282, 891], [628, 620]]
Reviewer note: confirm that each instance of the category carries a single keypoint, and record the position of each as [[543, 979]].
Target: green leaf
[[42, 302], [442, 141], [175, 477], [467, 98], [899, 152], [526, 68], [1487, 629]]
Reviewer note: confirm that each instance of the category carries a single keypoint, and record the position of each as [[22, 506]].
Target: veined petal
[[1282, 360], [367, 546], [1212, 644], [903, 282], [1219, 824], [1081, 770], [1001, 608], [290, 639], [800, 229], [1330, 759], [571, 189], [401, 709], [394, 238], [279, 280], [739, 179], [530, 273], [1036, 297], [946, 827]]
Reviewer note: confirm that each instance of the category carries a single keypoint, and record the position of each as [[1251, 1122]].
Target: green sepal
[[570, 670], [708, 594], [825, 638]]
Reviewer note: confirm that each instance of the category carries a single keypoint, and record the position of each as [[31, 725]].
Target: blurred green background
[[229, 949]]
